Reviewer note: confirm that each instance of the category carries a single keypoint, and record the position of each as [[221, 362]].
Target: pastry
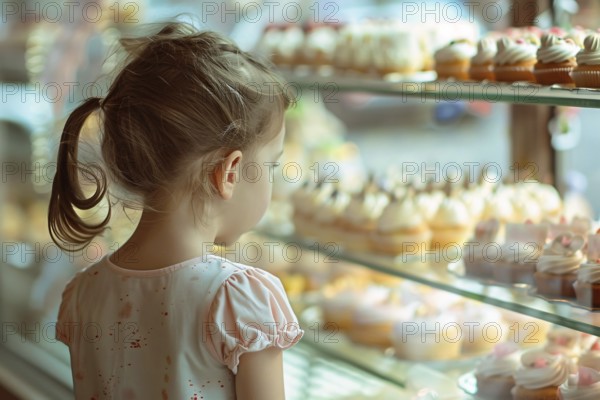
[[548, 199], [364, 49], [478, 252], [451, 224], [587, 71], [585, 385], [482, 64], [566, 342], [556, 60], [454, 59], [557, 267], [587, 285], [483, 327], [494, 373], [327, 215], [397, 50], [520, 253], [515, 60], [591, 357], [320, 45], [306, 200], [401, 228], [524, 330], [359, 219], [539, 376], [525, 207]]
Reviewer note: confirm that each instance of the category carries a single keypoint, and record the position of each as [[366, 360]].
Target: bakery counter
[[446, 272], [423, 86]]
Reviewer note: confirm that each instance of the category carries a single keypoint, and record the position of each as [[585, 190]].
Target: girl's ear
[[227, 175]]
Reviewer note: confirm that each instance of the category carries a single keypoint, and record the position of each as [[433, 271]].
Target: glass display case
[[380, 122]]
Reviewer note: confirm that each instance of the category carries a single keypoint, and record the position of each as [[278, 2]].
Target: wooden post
[[531, 147]]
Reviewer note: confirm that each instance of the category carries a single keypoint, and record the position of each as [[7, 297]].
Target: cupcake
[[587, 285], [364, 49], [566, 342], [591, 357], [585, 385], [557, 267], [587, 71], [344, 49], [482, 64], [327, 215], [539, 376], [319, 45], [451, 224], [306, 200], [494, 374], [359, 219], [401, 228], [548, 199], [397, 50], [475, 252], [454, 59], [520, 253], [289, 50], [485, 327], [515, 60], [524, 330], [556, 60]]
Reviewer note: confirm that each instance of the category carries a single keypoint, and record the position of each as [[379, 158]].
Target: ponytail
[[65, 225]]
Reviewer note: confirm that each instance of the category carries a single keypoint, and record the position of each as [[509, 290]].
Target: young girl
[[161, 318]]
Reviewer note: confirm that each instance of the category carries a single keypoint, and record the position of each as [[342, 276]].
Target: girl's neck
[[164, 239]]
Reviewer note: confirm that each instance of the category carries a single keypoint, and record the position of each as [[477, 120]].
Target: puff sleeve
[[250, 312]]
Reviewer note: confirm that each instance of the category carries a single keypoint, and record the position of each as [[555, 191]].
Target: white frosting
[[291, 41], [573, 389], [321, 40], [401, 214], [492, 365], [332, 208], [428, 204], [589, 273], [590, 55], [364, 210], [522, 253], [475, 203], [363, 51], [559, 264], [510, 52], [530, 376], [526, 208], [397, 48], [486, 51], [499, 206], [590, 359], [556, 50], [455, 51], [451, 213]]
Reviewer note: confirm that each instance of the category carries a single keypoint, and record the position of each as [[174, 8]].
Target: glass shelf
[[442, 276], [302, 82]]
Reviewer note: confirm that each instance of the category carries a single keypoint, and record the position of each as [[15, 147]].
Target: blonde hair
[[182, 96]]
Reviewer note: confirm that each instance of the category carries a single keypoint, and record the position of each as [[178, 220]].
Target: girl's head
[[190, 120]]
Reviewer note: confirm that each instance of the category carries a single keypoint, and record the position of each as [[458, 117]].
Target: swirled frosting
[[332, 208], [559, 264], [583, 386], [499, 365], [510, 52], [321, 40], [401, 214], [589, 273], [556, 50], [540, 370], [455, 51], [486, 50], [590, 54], [452, 212], [365, 208], [526, 208]]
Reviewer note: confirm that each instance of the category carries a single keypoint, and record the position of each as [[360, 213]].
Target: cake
[[428, 337], [520, 253], [358, 221], [475, 252], [319, 45], [454, 59], [306, 200], [397, 50], [482, 64], [451, 224], [515, 60], [548, 199], [401, 228], [483, 327], [557, 267], [591, 357], [494, 373], [327, 215], [556, 60], [587, 285], [587, 71], [566, 342], [539, 376], [585, 385]]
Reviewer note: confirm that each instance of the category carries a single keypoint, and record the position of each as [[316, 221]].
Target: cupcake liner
[[456, 71], [586, 79], [508, 73], [551, 76], [481, 72]]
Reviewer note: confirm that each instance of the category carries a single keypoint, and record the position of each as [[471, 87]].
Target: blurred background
[[52, 55]]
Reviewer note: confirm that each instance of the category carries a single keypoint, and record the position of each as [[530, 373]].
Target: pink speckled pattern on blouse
[[171, 333]]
